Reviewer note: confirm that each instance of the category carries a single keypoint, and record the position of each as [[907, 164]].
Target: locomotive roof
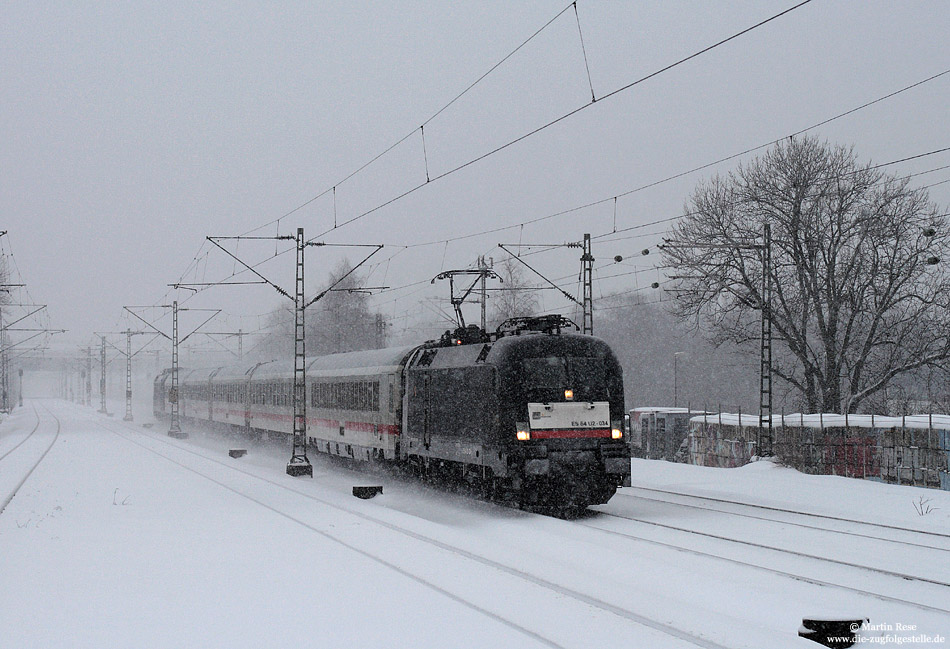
[[507, 349]]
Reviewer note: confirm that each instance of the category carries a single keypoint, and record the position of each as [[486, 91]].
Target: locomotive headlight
[[616, 433], [523, 435], [569, 395]]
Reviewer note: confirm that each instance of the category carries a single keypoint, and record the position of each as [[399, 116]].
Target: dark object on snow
[[831, 633], [237, 452], [147, 425], [297, 470], [367, 492]]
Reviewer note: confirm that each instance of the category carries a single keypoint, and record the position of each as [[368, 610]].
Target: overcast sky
[[131, 131]]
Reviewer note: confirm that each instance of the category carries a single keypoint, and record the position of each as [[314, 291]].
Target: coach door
[[426, 410]]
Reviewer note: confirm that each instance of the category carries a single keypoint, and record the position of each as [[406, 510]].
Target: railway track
[[784, 521], [28, 435], [894, 531], [554, 591], [32, 467], [891, 579], [173, 449]]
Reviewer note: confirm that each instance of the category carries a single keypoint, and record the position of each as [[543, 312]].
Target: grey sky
[[131, 131]]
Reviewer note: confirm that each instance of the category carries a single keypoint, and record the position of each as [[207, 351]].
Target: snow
[[770, 484], [122, 537]]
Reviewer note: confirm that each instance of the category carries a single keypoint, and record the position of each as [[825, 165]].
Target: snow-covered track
[[26, 437], [909, 535], [887, 581], [33, 465], [500, 570], [789, 520]]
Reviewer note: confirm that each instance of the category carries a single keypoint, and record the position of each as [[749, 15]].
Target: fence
[[913, 450]]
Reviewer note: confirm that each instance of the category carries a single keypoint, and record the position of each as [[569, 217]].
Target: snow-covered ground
[[123, 537]]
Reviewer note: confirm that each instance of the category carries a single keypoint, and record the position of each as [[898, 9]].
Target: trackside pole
[[299, 462], [102, 375], [587, 268], [128, 376], [175, 429]]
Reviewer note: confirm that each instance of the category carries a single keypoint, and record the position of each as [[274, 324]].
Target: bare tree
[[859, 277], [516, 298], [339, 322], [4, 279]]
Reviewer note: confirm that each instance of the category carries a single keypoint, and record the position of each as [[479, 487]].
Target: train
[[531, 414]]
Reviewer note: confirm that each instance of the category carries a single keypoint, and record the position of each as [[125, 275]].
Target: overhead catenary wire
[[563, 117], [642, 187], [512, 142], [611, 235], [431, 117], [40, 317], [539, 248], [580, 33]]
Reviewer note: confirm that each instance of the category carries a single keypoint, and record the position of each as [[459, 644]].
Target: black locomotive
[[530, 414]]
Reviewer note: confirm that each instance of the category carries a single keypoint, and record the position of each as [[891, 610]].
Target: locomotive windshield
[[547, 377]]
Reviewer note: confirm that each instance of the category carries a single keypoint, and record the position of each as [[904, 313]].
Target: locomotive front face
[[561, 387], [566, 396], [563, 417]]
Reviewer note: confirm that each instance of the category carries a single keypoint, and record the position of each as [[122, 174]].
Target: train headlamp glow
[[569, 395], [523, 435], [616, 433]]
